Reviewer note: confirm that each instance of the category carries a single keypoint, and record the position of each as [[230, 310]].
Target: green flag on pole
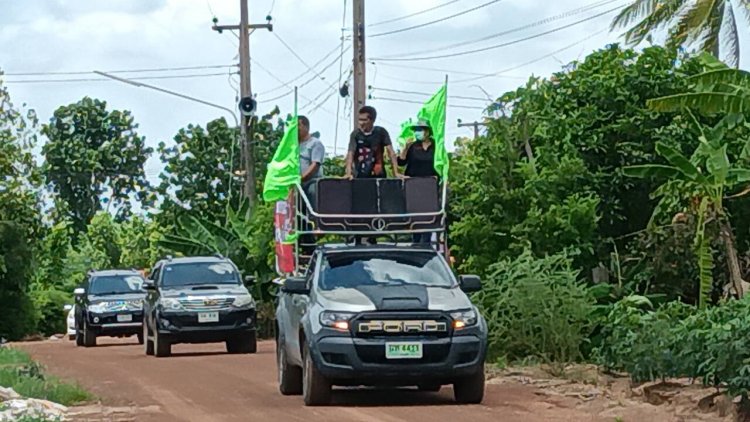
[[434, 112], [283, 170]]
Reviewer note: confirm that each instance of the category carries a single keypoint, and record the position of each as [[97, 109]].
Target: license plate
[[124, 318], [208, 317], [403, 350]]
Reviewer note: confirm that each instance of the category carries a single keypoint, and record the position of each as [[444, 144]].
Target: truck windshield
[[195, 273], [115, 284], [396, 268]]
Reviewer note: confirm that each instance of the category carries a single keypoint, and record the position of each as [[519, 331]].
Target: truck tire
[[148, 345], [162, 346], [89, 338], [140, 337], [79, 337], [470, 389], [242, 343], [290, 376], [316, 390]]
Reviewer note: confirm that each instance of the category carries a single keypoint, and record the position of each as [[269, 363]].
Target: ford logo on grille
[[210, 302], [402, 327]]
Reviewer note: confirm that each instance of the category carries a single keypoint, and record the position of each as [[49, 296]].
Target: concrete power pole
[[247, 103], [475, 125], [360, 62]]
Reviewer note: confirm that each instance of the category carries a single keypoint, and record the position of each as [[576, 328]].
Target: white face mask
[[419, 135]]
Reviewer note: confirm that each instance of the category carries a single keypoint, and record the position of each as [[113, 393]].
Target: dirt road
[[203, 383]]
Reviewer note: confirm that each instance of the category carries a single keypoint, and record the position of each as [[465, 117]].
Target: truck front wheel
[[316, 390], [290, 376], [470, 389]]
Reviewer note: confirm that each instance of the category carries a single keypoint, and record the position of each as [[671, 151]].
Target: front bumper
[[347, 360], [184, 327], [112, 323]]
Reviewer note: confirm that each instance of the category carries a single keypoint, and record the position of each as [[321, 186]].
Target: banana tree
[[724, 91], [705, 177]]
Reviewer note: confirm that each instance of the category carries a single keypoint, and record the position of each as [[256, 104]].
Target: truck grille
[[402, 324], [206, 303]]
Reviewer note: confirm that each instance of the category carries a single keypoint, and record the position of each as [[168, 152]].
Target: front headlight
[[135, 305], [337, 320], [465, 318], [244, 301], [98, 307], [171, 304]]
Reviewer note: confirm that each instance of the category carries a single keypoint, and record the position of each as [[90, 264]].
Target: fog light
[[249, 320], [96, 320]]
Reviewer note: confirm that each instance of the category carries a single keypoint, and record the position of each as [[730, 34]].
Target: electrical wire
[[505, 44], [375, 88], [401, 100], [535, 60], [411, 15], [549, 19], [294, 53], [139, 78], [437, 69], [341, 68], [159, 69], [409, 28], [271, 74], [296, 78]]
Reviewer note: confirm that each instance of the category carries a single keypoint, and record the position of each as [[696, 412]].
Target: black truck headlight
[[464, 318], [337, 320]]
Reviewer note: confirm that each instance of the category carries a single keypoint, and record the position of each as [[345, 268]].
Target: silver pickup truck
[[384, 315]]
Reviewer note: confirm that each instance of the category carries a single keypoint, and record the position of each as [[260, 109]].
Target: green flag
[[434, 112], [283, 170]]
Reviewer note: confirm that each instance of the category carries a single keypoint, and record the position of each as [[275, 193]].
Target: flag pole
[[295, 100]]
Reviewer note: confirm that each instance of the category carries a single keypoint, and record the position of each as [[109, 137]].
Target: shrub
[[536, 307]]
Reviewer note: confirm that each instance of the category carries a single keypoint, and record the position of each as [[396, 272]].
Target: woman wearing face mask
[[418, 156]]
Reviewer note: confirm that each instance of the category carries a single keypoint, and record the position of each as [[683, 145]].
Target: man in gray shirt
[[311, 156]]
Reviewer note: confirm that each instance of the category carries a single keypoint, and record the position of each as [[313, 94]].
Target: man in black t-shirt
[[367, 147]]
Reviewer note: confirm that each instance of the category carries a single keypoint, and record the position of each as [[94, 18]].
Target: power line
[[411, 15], [158, 69], [301, 74], [141, 78], [409, 28], [401, 100], [271, 74], [294, 53], [538, 59], [437, 69], [375, 88], [535, 24], [506, 44]]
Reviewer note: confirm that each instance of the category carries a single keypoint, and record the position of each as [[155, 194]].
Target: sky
[[84, 35]]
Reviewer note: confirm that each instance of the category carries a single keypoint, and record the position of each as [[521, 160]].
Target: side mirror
[[249, 279], [295, 285], [79, 291], [68, 307], [148, 285], [470, 283]]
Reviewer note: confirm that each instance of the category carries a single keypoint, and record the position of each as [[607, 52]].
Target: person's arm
[[350, 157], [391, 154], [317, 155], [403, 157]]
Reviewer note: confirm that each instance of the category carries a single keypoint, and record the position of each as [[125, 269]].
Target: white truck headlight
[[337, 320], [464, 318], [244, 301], [99, 307], [171, 304]]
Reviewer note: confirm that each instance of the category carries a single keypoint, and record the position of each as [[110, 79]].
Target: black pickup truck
[[109, 303]]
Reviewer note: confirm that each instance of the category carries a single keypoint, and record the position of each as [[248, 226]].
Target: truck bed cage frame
[[368, 208]]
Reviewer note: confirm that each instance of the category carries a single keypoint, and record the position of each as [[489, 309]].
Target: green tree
[[93, 151], [706, 22]]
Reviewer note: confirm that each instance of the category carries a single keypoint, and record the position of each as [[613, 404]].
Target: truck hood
[[116, 297], [394, 298]]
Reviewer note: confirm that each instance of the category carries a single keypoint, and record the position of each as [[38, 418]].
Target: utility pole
[[360, 82], [475, 125], [247, 103]]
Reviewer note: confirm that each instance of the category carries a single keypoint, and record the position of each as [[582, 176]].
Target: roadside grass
[[27, 378]]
